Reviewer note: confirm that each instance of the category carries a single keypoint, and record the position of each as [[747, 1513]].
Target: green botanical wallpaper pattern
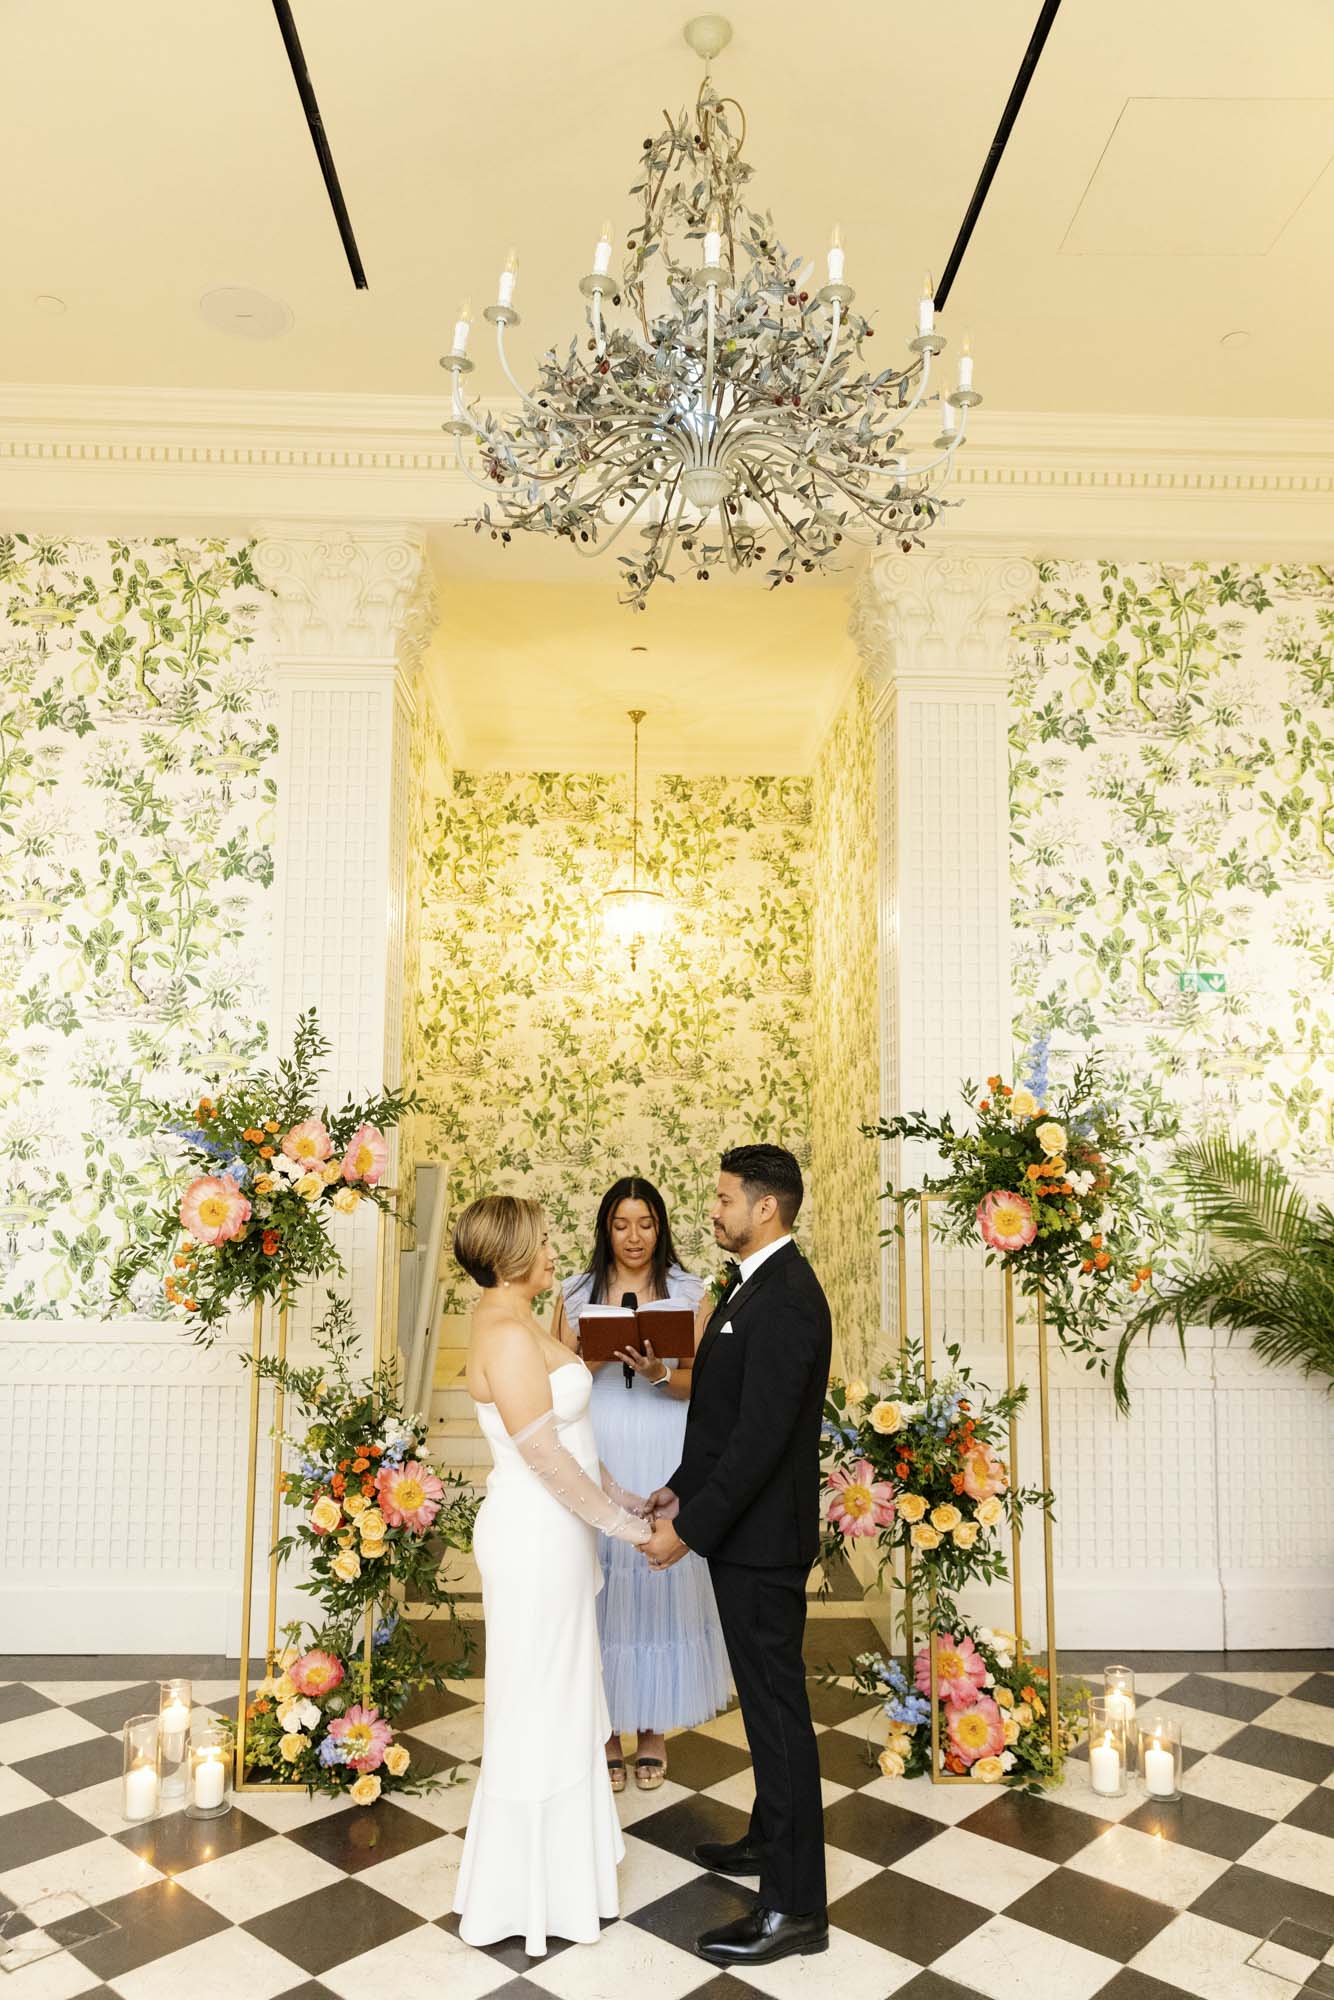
[[845, 1031], [136, 822], [547, 1065], [1172, 799]]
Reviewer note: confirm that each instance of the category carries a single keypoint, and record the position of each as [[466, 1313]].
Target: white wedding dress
[[543, 1839]]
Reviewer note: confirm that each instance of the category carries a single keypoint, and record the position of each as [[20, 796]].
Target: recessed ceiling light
[[1238, 339], [47, 302], [250, 315]]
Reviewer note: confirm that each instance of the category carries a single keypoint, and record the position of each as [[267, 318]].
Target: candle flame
[[928, 289], [836, 237], [606, 232], [512, 264]]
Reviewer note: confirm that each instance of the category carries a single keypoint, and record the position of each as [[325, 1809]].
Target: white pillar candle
[[1105, 1767], [140, 1801], [966, 364], [836, 256], [210, 1781], [507, 278], [1160, 1775], [926, 308], [462, 328], [948, 419], [602, 255], [173, 1722], [713, 240]]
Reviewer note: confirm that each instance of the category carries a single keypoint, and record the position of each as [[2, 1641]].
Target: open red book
[[667, 1323]]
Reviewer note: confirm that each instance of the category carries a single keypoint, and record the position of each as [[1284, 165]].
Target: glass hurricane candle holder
[[1119, 1691], [1107, 1747], [210, 1766], [174, 1703], [139, 1793], [1160, 1756]]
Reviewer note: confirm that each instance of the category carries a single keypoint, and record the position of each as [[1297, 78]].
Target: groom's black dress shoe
[[729, 1857], [762, 1935]]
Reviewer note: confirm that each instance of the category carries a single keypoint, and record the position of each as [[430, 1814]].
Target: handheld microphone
[[629, 1303]]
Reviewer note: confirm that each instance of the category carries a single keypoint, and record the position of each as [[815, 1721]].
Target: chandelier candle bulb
[[836, 256], [713, 240], [462, 328], [966, 364], [505, 296], [602, 255], [926, 308]]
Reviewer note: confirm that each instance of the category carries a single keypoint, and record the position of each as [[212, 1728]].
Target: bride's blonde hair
[[496, 1239]]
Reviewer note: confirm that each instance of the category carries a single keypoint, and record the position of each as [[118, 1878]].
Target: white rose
[[1007, 1760], [988, 1680], [1085, 1232]]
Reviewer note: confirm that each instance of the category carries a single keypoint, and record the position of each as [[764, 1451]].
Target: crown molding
[[86, 457]]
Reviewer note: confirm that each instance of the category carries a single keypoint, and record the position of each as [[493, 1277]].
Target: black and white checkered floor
[[935, 1893]]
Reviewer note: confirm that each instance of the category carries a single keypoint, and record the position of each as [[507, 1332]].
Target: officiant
[[664, 1664]]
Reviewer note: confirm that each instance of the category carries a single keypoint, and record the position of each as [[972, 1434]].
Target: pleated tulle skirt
[[664, 1665]]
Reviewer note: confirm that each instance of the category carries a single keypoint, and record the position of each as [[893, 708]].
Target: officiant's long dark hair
[[603, 1261]]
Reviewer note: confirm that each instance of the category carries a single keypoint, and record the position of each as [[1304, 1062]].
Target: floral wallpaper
[[1172, 802], [845, 1031], [136, 822], [547, 1064]]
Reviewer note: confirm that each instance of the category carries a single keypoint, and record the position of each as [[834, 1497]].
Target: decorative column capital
[[345, 596], [938, 623]]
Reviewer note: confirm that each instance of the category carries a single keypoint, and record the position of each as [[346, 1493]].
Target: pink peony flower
[[409, 1495], [367, 1155], [983, 1473], [316, 1673], [213, 1209], [366, 1734], [308, 1142], [976, 1731], [1006, 1221], [960, 1671], [859, 1502]]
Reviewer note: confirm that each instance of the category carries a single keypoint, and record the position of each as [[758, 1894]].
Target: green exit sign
[[1195, 981]]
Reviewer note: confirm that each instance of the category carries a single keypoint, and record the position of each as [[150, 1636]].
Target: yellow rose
[[355, 1503], [346, 1567], [396, 1760], [310, 1186], [1023, 1105], [366, 1790], [345, 1199], [989, 1512], [1039, 1706], [346, 1539], [292, 1746], [891, 1764], [887, 1418], [924, 1536], [371, 1525], [1023, 1715], [899, 1744], [370, 1550], [855, 1391], [265, 1184], [325, 1515], [333, 1171], [911, 1506], [988, 1770], [965, 1534], [1051, 1138], [945, 1517], [1004, 1697], [1011, 1731]]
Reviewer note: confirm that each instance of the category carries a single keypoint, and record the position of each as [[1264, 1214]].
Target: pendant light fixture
[[634, 914]]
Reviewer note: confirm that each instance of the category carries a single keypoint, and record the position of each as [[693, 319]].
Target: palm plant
[[1268, 1266]]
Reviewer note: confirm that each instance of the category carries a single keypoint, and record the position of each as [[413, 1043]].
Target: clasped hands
[[664, 1546]]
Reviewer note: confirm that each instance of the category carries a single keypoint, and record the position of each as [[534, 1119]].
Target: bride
[[543, 1838]]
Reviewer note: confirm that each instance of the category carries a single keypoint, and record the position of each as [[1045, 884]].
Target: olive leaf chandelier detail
[[714, 403]]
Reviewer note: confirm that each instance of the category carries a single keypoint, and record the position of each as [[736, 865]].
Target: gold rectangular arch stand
[[277, 1318], [922, 1203]]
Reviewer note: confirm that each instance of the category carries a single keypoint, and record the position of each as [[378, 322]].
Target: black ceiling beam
[[1018, 91], [320, 140]]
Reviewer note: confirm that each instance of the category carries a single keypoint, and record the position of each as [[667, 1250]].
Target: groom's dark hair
[[767, 1170]]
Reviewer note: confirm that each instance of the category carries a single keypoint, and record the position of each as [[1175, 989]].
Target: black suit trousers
[[763, 1614]]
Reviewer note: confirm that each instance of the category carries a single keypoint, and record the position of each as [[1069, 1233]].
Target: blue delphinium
[[384, 1632], [1035, 1065], [332, 1752]]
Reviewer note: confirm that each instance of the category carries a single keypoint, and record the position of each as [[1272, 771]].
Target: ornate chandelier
[[728, 413], [634, 915]]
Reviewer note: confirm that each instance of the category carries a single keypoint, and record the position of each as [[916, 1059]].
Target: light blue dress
[[664, 1663]]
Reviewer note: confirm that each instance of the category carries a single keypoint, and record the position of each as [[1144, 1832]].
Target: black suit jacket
[[749, 1477]]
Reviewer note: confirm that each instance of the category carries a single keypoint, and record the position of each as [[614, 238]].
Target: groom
[[747, 1496]]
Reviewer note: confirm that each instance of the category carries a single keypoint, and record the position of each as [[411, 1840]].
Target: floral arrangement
[[993, 1702], [1046, 1181], [376, 1519], [269, 1175], [916, 1465]]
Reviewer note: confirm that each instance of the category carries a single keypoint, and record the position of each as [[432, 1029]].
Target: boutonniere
[[722, 1281]]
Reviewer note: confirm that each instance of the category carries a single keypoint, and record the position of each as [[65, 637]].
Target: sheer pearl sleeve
[[541, 1450]]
